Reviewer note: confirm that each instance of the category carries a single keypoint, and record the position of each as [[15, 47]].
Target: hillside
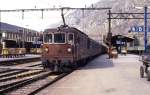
[[95, 23]]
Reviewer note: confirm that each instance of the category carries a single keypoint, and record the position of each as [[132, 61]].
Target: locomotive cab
[[58, 49]]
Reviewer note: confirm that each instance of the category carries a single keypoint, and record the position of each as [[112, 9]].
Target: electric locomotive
[[64, 48]]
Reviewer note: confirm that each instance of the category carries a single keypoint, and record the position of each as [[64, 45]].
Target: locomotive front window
[[59, 38], [48, 38]]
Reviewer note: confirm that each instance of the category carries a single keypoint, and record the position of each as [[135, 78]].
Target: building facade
[[12, 36]]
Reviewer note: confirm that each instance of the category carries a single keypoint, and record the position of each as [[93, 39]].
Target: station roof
[[122, 37], [11, 28]]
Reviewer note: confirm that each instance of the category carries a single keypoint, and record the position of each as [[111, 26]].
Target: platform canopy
[[116, 39]]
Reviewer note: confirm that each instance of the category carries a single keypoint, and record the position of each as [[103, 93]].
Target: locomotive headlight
[[69, 49], [46, 49]]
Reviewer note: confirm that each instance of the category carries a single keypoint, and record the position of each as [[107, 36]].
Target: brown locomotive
[[67, 47]]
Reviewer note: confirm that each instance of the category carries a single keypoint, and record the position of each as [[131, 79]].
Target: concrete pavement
[[103, 76]]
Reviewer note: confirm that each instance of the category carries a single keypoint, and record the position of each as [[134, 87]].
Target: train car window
[[70, 39], [59, 38], [48, 38]]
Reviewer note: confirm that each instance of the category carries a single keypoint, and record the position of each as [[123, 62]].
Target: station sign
[[118, 42], [139, 29]]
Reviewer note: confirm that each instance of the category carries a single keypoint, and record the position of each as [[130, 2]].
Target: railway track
[[5, 70], [32, 85], [21, 75], [12, 75], [18, 61], [24, 82], [6, 83], [9, 71], [30, 64]]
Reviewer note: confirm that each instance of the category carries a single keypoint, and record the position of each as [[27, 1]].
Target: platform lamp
[[145, 26]]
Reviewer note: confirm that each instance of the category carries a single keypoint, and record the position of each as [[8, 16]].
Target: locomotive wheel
[[141, 72], [148, 75]]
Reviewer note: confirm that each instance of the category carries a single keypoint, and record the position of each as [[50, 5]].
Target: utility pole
[[23, 38], [145, 29], [109, 36]]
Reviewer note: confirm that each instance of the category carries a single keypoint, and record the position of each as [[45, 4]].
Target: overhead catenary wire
[[42, 10], [52, 9]]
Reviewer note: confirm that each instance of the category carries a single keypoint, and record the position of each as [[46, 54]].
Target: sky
[[33, 20]]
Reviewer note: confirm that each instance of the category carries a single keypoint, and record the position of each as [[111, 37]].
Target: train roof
[[64, 29]]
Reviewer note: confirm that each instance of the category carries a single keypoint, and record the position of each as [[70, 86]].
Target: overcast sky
[[33, 19]]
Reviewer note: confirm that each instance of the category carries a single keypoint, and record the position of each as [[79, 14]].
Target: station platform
[[27, 56], [103, 76]]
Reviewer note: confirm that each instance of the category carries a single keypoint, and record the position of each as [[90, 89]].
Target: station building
[[138, 42], [12, 36]]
